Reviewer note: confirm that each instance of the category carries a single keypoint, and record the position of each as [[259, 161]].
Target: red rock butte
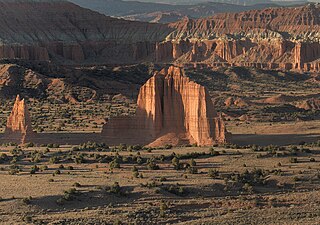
[[171, 109], [19, 128]]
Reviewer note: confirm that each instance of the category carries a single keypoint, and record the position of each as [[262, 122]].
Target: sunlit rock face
[[171, 109], [19, 128], [286, 38]]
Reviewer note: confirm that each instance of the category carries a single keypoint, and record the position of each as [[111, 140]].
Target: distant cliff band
[[286, 38]]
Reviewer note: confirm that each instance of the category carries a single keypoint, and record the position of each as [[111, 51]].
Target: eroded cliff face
[[66, 33], [268, 54], [19, 127], [274, 38], [171, 109], [59, 31], [300, 21]]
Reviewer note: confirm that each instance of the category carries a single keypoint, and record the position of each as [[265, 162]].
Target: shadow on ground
[[273, 139]]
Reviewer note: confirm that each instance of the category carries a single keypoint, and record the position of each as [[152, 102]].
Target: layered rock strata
[[285, 38], [19, 128], [66, 33], [273, 38], [171, 109]]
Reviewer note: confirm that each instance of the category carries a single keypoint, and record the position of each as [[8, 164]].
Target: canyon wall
[[264, 54], [285, 38], [273, 38], [171, 109]]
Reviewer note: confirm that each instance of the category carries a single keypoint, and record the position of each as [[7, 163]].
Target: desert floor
[[225, 185]]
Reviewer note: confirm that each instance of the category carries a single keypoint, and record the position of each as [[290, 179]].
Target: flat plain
[[95, 183]]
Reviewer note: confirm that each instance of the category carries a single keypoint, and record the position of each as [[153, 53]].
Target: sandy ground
[[275, 133], [290, 198]]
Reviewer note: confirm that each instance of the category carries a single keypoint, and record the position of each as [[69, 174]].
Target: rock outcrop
[[273, 38], [286, 38], [19, 128], [171, 109], [295, 21]]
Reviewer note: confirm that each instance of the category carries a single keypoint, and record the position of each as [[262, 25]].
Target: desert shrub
[[153, 184], [76, 184], [54, 160], [162, 179], [254, 177], [70, 194], [151, 164], [213, 152], [27, 219], [34, 169], [114, 164], [293, 160], [117, 222], [36, 156], [27, 200], [49, 145], [176, 190], [191, 168], [247, 188], [14, 169], [116, 189], [135, 172], [69, 167], [43, 167], [79, 158], [4, 158], [176, 163], [140, 160], [163, 208], [56, 146], [29, 145], [134, 148], [191, 155], [213, 173], [75, 148], [16, 152]]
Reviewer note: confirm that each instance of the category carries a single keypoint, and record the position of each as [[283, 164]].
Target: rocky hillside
[[62, 31], [68, 84], [162, 13]]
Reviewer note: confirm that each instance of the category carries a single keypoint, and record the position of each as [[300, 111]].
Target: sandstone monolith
[[19, 127], [171, 109]]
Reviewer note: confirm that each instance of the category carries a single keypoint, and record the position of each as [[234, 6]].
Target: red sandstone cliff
[[274, 38], [292, 20], [19, 128], [171, 109]]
